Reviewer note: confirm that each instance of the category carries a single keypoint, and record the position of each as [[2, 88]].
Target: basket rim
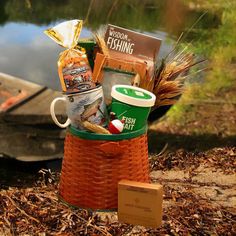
[[111, 137]]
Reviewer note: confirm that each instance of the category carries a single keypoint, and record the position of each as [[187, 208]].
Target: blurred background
[[208, 104]]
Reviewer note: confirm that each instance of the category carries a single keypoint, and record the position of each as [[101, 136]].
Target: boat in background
[[27, 132]]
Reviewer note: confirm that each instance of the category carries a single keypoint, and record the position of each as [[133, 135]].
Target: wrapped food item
[[73, 67]]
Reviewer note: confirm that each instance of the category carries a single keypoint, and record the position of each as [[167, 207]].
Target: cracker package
[[73, 67]]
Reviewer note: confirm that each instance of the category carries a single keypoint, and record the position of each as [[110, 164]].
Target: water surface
[[27, 53]]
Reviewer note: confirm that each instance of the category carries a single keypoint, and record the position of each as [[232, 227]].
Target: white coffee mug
[[82, 106], [52, 111]]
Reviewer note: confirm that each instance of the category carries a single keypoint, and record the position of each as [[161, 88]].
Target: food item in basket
[[73, 67]]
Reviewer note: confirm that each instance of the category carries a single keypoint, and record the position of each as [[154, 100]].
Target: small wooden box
[[140, 203]]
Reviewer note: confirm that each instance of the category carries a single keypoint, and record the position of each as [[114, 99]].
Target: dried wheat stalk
[[169, 77], [99, 38]]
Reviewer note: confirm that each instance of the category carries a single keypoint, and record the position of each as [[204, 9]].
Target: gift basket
[[109, 86], [94, 164]]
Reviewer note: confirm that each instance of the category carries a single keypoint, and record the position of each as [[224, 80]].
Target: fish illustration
[[91, 109]]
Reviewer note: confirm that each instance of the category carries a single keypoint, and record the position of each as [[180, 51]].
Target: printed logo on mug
[[82, 106]]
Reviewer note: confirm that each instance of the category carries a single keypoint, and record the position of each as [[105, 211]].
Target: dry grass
[[169, 77]]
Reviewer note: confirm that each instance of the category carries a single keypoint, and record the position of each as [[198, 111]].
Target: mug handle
[[53, 115]]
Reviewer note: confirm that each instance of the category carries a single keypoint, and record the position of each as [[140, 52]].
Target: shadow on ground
[[14, 173], [157, 140], [17, 173]]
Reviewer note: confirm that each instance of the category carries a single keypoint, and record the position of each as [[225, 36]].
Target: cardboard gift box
[[140, 203]]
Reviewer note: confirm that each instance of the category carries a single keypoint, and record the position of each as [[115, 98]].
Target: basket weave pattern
[[91, 169]]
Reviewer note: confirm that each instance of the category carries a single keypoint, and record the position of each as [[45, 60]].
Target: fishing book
[[131, 45]]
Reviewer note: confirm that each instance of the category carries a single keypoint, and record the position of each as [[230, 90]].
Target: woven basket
[[93, 167]]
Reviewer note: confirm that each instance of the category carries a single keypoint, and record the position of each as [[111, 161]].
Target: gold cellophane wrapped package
[[73, 67]]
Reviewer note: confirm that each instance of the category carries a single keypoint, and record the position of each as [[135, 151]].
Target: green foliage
[[145, 15], [125, 13], [218, 45], [213, 37]]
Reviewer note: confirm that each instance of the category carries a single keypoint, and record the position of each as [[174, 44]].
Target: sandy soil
[[196, 169]]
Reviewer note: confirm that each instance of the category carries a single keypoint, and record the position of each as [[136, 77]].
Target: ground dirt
[[196, 169]]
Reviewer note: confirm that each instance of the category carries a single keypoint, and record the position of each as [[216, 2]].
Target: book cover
[[121, 41]]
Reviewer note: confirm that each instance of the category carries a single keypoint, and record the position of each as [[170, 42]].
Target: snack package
[[73, 67]]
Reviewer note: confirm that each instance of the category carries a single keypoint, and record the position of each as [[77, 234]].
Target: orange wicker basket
[[92, 167]]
